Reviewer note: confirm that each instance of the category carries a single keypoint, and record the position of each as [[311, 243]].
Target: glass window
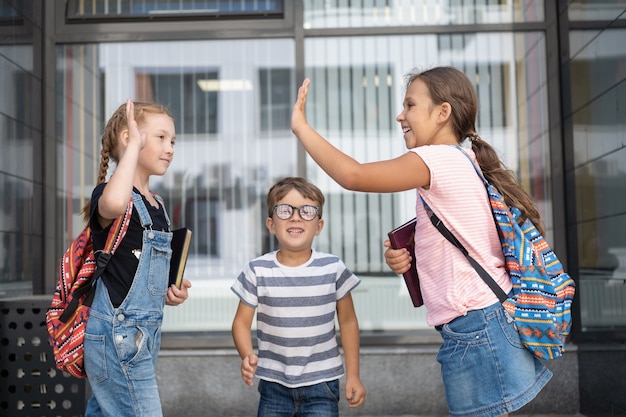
[[276, 98], [80, 10], [21, 194], [219, 178], [192, 96], [599, 132], [590, 10], [224, 160], [356, 92], [384, 13]]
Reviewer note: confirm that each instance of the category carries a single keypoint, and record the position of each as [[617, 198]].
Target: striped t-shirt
[[296, 316], [450, 285]]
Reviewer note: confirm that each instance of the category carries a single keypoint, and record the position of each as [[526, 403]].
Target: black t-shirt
[[121, 269]]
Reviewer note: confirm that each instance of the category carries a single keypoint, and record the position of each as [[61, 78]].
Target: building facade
[[550, 77]]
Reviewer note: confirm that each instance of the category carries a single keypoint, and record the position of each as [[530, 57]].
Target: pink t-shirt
[[450, 285]]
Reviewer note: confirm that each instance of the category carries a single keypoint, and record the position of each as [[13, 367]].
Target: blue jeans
[[486, 370], [319, 400], [122, 344]]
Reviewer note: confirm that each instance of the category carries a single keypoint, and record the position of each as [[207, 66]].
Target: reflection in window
[[590, 10], [227, 159], [9, 16], [224, 160], [598, 63], [115, 9], [21, 216], [598, 71], [276, 95], [340, 13], [354, 105], [190, 97]]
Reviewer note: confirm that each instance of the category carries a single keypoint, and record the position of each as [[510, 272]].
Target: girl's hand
[[248, 368], [398, 260], [176, 296], [298, 117], [134, 136]]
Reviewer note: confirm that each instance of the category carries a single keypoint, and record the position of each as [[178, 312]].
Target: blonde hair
[[111, 135]]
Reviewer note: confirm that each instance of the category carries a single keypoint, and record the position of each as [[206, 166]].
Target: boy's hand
[[248, 368], [398, 260], [355, 392], [176, 296]]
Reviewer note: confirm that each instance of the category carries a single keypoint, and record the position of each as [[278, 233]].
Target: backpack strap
[[498, 291], [116, 234], [478, 171], [114, 238]]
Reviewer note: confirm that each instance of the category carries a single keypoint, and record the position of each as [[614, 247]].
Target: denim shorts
[[319, 400], [486, 370]]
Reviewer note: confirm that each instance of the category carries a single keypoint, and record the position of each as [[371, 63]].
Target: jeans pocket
[[509, 328], [332, 388], [128, 343], [158, 279], [95, 358]]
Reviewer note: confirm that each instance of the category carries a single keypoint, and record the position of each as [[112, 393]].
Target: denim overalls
[[122, 344]]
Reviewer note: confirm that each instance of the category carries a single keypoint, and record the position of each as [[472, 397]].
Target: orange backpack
[[79, 271]]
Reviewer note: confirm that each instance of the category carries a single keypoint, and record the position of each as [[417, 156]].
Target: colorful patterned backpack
[[541, 300], [79, 271]]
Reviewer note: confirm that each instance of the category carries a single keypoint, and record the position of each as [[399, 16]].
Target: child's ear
[[269, 223], [124, 137], [320, 226], [445, 111]]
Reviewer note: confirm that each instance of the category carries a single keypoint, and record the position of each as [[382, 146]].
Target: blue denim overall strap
[[122, 344], [162, 203]]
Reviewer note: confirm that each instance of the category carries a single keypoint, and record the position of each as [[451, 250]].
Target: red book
[[404, 237]]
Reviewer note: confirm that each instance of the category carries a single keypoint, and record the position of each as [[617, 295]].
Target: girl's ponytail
[[504, 180], [102, 176]]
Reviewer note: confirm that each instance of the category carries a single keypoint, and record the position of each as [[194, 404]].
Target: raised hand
[[298, 116], [134, 136]]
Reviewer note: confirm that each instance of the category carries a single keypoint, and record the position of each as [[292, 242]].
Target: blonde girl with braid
[[123, 334], [486, 371]]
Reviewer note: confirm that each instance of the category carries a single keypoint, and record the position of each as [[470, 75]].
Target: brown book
[[404, 237], [181, 240]]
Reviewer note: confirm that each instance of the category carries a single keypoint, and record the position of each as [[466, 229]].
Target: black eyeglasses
[[285, 211]]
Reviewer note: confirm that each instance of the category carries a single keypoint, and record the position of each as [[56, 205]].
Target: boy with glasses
[[296, 292]]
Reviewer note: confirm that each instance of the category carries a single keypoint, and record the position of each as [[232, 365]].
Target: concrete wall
[[399, 379]]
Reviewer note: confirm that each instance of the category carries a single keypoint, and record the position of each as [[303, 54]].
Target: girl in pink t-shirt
[[486, 370]]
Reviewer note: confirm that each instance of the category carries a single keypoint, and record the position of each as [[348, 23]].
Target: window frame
[[195, 27], [162, 15]]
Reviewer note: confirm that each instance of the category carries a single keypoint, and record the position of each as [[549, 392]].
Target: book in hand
[[181, 240], [403, 237]]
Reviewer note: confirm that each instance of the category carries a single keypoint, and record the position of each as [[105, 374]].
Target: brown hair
[[448, 84], [301, 185], [110, 138]]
